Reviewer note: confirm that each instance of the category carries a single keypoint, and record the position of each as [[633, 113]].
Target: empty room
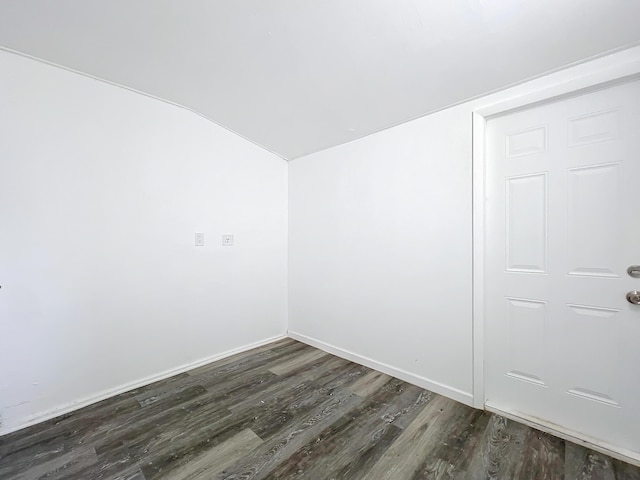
[[286, 239]]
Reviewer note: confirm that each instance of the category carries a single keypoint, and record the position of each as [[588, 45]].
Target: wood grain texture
[[290, 411]]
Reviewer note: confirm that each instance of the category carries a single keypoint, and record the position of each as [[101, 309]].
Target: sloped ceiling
[[298, 76]]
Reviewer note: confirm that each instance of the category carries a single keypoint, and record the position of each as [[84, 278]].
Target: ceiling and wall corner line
[[479, 96], [139, 92]]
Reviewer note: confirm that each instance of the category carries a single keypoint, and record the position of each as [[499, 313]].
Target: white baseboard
[[112, 392], [436, 387], [569, 435]]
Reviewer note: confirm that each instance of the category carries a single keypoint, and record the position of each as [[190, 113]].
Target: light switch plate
[[199, 239], [227, 240]]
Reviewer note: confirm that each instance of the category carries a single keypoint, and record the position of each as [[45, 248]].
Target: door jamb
[[615, 70]]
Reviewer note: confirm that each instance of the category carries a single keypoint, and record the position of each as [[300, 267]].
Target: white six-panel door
[[562, 343]]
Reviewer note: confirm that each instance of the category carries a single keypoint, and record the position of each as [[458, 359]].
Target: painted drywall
[[380, 257], [101, 192], [380, 242]]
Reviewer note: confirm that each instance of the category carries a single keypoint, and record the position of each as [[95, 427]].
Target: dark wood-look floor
[[286, 411]]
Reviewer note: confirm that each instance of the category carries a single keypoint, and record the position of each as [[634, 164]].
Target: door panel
[[562, 342], [526, 324], [526, 223], [592, 223]]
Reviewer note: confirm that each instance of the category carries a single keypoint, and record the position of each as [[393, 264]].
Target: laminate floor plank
[[452, 456], [369, 383], [135, 475], [542, 456], [278, 412], [187, 415], [313, 376], [60, 467], [66, 427], [218, 458], [584, 464], [184, 405], [346, 379], [214, 374], [57, 439], [211, 461], [290, 411], [294, 363], [274, 452], [490, 452], [512, 450], [262, 353], [354, 437], [624, 471], [420, 437], [174, 448]]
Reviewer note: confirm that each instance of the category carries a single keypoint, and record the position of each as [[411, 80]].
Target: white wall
[[101, 191], [380, 241], [380, 249]]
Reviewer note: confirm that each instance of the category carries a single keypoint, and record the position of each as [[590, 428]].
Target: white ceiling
[[298, 76]]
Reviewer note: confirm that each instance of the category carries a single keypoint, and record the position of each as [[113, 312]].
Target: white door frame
[[617, 68]]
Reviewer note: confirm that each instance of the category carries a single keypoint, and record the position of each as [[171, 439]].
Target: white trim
[[112, 392], [437, 387], [523, 97], [569, 435], [478, 194]]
